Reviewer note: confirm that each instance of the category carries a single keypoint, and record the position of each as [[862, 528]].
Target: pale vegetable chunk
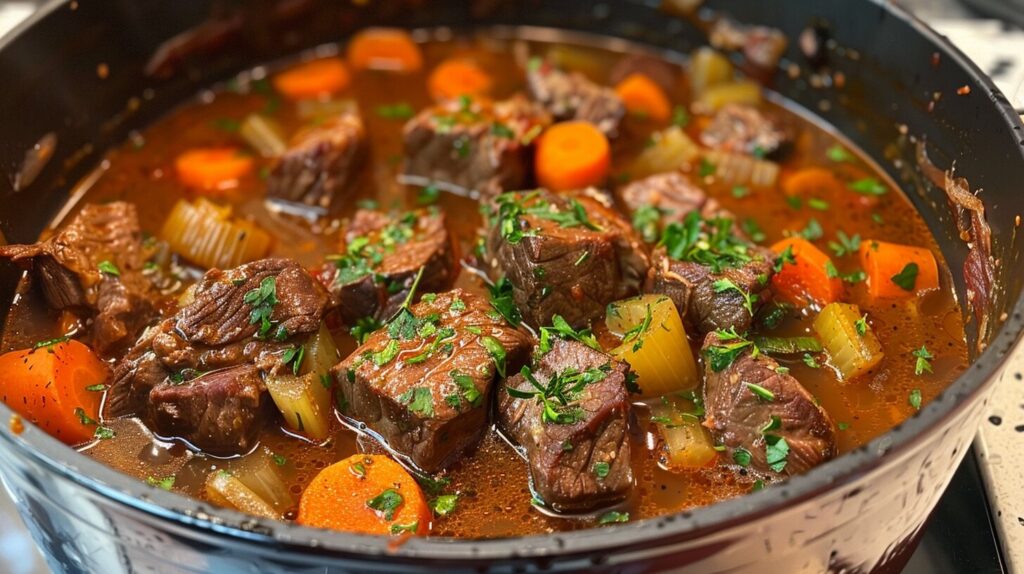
[[852, 347], [687, 443], [304, 399], [259, 472], [263, 135], [738, 92], [223, 489], [670, 150], [709, 68], [653, 343], [206, 234]]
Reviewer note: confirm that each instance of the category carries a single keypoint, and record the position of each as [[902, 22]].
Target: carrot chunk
[[458, 77], [812, 182], [313, 79], [802, 274], [56, 386], [898, 271], [368, 494], [213, 169], [572, 155], [388, 49], [642, 96]]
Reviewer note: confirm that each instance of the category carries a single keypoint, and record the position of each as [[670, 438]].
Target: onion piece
[[654, 344], [263, 135], [223, 489], [206, 234], [687, 443]]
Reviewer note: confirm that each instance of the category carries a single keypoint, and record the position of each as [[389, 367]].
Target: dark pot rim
[[199, 517]]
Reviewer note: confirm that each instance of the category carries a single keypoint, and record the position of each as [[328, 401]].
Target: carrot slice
[[313, 79], [384, 49], [644, 97], [811, 182], [213, 169], [458, 77], [898, 271], [57, 386], [369, 494], [803, 274], [572, 155]]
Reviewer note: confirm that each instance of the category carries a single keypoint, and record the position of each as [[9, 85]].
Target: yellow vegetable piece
[[670, 150], [206, 234], [224, 489], [687, 443], [709, 68], [738, 92], [654, 344], [852, 346], [305, 400]]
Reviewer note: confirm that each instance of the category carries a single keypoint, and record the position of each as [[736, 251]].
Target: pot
[[82, 75]]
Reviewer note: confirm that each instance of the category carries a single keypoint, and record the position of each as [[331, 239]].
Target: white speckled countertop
[[998, 51]]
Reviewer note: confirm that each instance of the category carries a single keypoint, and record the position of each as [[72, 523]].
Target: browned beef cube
[[758, 409], [709, 299], [571, 96], [220, 412], [384, 253], [320, 162], [474, 146], [739, 128], [423, 383], [197, 375], [762, 46], [565, 254], [579, 452], [665, 198], [95, 265]]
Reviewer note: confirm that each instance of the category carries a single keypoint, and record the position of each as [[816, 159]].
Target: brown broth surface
[[495, 497]]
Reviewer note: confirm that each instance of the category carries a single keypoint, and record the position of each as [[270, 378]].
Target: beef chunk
[[567, 254], [743, 399], [188, 368], [473, 145], [424, 383], [762, 46], [658, 200], [383, 256], [318, 165], [579, 452], [741, 128], [571, 96], [219, 411], [94, 265]]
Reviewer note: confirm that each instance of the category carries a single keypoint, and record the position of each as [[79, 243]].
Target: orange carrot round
[[57, 386], [368, 494], [458, 77], [898, 271], [642, 96], [811, 182], [313, 79], [388, 49], [803, 274], [572, 155], [213, 169]]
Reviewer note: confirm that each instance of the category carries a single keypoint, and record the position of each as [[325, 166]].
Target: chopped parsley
[[445, 504], [399, 111], [774, 423], [845, 245], [165, 483], [97, 388], [634, 334], [104, 433], [358, 470], [861, 325], [740, 191], [428, 195], [868, 186], [741, 456], [500, 130], [813, 230], [82, 417], [386, 503], [512, 208], [923, 363], [364, 328], [51, 342], [293, 357], [279, 460], [760, 392], [907, 278], [405, 528], [647, 220], [107, 267], [710, 242], [776, 452], [680, 117], [560, 393], [561, 328], [810, 361], [726, 284], [262, 300], [385, 355], [753, 230], [915, 399], [730, 346], [497, 352], [503, 302], [613, 516], [817, 204], [785, 258], [838, 154], [601, 469], [419, 400], [706, 168], [467, 390]]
